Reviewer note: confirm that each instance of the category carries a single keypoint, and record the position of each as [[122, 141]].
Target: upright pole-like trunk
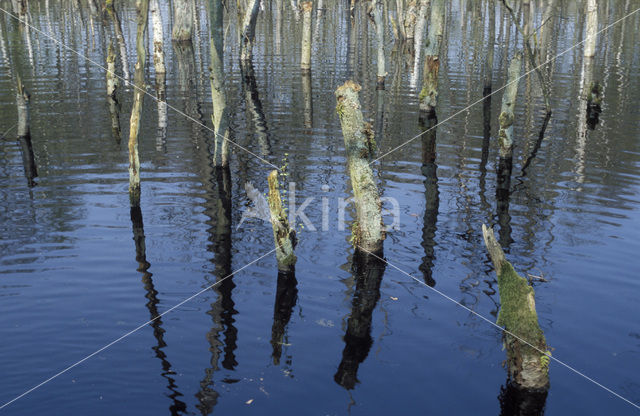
[[368, 230], [218, 93], [23, 101], [158, 39], [488, 69], [528, 363], [378, 9], [283, 235], [182, 20], [305, 61], [505, 135], [249, 30], [429, 92], [421, 23], [111, 11], [592, 28], [112, 86], [142, 11]]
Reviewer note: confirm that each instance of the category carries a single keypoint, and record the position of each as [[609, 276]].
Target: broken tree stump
[[368, 230], [528, 362], [284, 237]]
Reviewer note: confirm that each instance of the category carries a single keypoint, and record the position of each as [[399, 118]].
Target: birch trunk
[[23, 100], [378, 9], [158, 38], [305, 61], [592, 28], [505, 135], [142, 12], [182, 20], [429, 93], [249, 30], [218, 93]]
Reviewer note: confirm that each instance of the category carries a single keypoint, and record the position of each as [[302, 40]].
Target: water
[[73, 278]]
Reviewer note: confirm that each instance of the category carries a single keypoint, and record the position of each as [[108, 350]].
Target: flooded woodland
[[319, 207]]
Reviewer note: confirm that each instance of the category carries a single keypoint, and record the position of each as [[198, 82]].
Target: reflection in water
[[431, 194], [368, 273], [503, 194], [28, 161], [177, 405], [222, 311], [308, 102], [515, 401], [286, 297], [254, 105]]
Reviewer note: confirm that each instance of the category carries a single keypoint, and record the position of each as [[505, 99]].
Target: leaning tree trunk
[[429, 93], [142, 9], [505, 136], [182, 20], [528, 361], [249, 30], [368, 230], [305, 61], [219, 116]]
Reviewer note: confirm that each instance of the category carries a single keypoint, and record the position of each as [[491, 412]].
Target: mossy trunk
[[23, 101], [283, 235], [506, 119], [158, 39], [182, 20], [305, 61], [249, 30], [368, 230], [528, 363], [142, 11], [378, 9], [219, 117], [429, 93]]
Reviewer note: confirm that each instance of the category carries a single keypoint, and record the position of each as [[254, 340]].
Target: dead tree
[[283, 235], [182, 20], [429, 93], [23, 100], [219, 117], [305, 61], [248, 33], [368, 230]]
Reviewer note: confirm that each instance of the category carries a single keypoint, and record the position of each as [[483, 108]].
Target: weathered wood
[[158, 38], [142, 12], [506, 119], [528, 365], [429, 93], [112, 79], [249, 30], [592, 28], [219, 117], [305, 61], [182, 20], [283, 235], [23, 101], [381, 72], [368, 230], [111, 11]]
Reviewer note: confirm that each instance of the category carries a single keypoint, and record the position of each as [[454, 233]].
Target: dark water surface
[[73, 278]]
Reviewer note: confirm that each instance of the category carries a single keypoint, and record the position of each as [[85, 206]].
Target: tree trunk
[[158, 38], [218, 93], [305, 61], [528, 365], [378, 9], [308, 102], [283, 235], [142, 11], [182, 20], [592, 28], [429, 93], [249, 30], [506, 119], [111, 11], [368, 230], [23, 101], [488, 69]]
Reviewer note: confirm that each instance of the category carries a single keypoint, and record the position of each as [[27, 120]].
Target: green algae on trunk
[[528, 362], [368, 230]]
